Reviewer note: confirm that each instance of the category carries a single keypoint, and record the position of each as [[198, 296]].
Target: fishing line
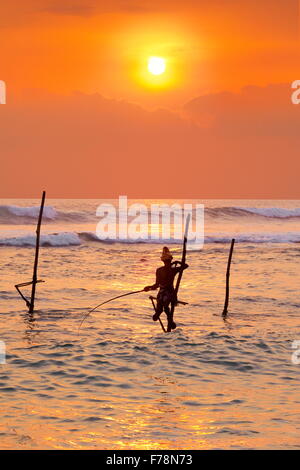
[[106, 302]]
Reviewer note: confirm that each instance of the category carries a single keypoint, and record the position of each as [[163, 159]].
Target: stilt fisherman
[[164, 281]]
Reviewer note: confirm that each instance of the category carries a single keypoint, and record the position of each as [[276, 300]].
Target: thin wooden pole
[[183, 258], [37, 249], [161, 323], [225, 310]]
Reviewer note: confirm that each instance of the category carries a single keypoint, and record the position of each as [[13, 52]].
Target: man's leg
[[171, 323], [158, 309]]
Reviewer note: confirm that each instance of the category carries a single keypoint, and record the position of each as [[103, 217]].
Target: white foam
[[30, 212], [254, 237], [53, 239]]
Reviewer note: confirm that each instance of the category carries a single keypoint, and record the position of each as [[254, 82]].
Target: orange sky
[[112, 124]]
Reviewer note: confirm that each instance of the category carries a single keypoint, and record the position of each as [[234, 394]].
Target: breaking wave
[[259, 237], [64, 239], [20, 215], [53, 239], [269, 212], [15, 215]]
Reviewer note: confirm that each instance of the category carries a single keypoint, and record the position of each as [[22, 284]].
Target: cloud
[[90, 146], [273, 16], [255, 111], [79, 8]]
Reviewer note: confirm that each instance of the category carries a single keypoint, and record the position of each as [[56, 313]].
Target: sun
[[156, 65]]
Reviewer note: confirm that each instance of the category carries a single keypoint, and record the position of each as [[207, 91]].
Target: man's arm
[[155, 286], [181, 267]]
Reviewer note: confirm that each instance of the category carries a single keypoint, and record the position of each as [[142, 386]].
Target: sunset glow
[[149, 228], [218, 71]]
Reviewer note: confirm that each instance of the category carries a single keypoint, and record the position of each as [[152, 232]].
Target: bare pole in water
[[37, 249], [225, 310]]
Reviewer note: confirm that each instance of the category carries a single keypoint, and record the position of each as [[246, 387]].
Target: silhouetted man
[[164, 280]]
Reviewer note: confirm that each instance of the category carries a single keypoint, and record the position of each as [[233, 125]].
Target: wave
[[15, 215], [259, 237], [64, 239], [92, 236], [53, 239], [269, 212]]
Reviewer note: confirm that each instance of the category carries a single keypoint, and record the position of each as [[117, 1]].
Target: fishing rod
[[106, 302]]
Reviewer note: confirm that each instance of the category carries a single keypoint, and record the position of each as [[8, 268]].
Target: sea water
[[120, 382]]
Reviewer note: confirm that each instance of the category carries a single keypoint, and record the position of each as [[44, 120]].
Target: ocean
[[119, 382]]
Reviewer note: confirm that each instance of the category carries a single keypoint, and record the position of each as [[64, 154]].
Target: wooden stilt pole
[[225, 310], [161, 323], [23, 284], [36, 259], [175, 302]]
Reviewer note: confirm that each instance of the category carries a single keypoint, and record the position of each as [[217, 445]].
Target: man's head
[[166, 256]]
